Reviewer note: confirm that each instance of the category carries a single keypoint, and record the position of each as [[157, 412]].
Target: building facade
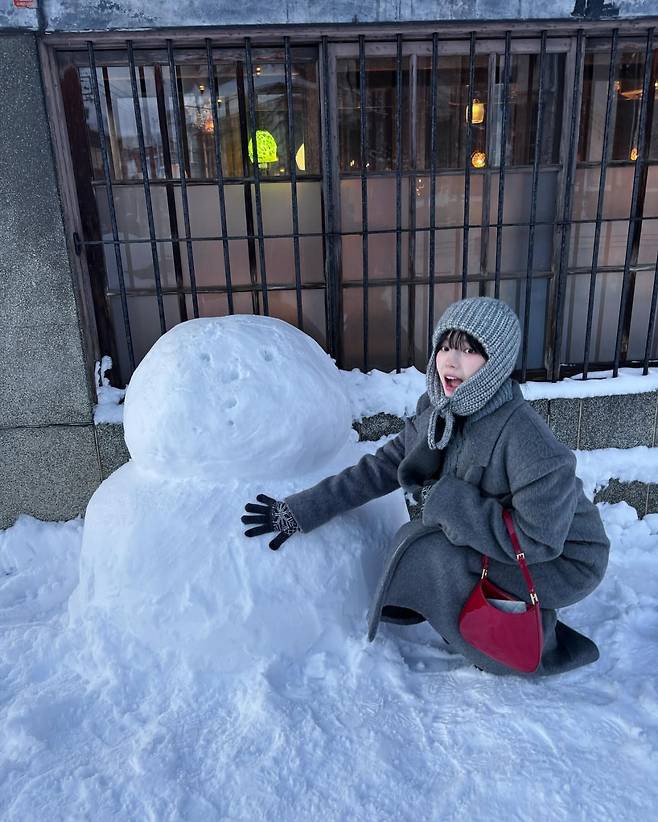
[[351, 174]]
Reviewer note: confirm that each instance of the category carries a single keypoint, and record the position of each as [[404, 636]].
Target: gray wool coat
[[504, 456]]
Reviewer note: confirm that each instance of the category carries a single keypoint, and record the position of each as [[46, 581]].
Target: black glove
[[271, 516]]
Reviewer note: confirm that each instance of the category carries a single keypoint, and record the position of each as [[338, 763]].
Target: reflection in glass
[[626, 104]]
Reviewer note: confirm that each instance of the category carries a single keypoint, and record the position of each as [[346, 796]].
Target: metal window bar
[[467, 164], [332, 234], [182, 176], [398, 200], [364, 190], [569, 171], [219, 173], [253, 129], [293, 181], [605, 157], [147, 188], [432, 228], [110, 203], [539, 133], [333, 299], [503, 160], [160, 96], [447, 227], [652, 320], [632, 239]]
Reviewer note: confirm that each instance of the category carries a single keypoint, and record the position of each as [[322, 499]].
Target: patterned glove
[[427, 487], [416, 508], [273, 515]]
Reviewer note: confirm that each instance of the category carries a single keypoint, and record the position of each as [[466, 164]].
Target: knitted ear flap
[[496, 327]]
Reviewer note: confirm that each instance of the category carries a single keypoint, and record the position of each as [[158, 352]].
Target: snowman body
[[219, 411]]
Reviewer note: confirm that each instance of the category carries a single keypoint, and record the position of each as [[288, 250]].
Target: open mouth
[[451, 383]]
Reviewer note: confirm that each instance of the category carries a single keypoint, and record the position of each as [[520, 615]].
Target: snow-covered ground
[[161, 666], [398, 730]]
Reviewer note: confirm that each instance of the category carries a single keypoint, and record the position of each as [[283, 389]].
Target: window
[[366, 182]]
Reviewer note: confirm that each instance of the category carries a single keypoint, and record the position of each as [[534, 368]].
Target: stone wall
[[102, 15], [48, 455]]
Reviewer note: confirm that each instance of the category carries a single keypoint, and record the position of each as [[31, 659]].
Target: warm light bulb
[[478, 159], [208, 125], [634, 153], [300, 158], [476, 111], [266, 147]]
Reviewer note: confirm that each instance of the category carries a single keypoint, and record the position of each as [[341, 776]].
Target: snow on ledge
[[110, 400], [596, 468], [397, 393], [391, 393], [597, 384]]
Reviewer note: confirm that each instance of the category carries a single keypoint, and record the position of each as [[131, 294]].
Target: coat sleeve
[[373, 476], [544, 496]]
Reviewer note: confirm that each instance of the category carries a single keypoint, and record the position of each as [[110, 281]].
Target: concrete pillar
[[49, 463]]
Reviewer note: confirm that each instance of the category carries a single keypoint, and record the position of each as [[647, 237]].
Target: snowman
[[220, 410]]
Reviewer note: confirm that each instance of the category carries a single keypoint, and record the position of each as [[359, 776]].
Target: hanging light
[[266, 148], [204, 121], [478, 159], [476, 111], [634, 153], [208, 125], [300, 158]]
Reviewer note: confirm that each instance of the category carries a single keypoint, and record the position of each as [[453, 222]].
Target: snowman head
[[238, 397]]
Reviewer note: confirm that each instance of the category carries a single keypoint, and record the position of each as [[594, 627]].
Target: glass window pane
[[604, 323], [452, 104], [380, 108], [640, 318], [523, 103]]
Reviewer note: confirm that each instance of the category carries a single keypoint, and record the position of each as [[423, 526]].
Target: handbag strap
[[520, 556]]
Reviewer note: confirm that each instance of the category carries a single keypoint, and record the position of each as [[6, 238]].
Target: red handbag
[[515, 639]]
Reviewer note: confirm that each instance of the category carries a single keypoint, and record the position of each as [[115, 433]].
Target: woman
[[473, 449]]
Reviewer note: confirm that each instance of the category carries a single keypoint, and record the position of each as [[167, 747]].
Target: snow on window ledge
[[379, 392], [109, 410]]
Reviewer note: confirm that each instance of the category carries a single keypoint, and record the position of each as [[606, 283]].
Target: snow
[[400, 729], [193, 674], [596, 468], [208, 397], [109, 409], [391, 393]]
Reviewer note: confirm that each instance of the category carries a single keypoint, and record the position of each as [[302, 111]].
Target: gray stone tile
[[652, 500], [563, 418], [622, 421], [49, 473], [44, 380], [111, 447], [634, 493], [541, 407], [373, 428], [45, 377]]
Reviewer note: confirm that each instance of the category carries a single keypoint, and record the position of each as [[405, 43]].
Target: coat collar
[[480, 437]]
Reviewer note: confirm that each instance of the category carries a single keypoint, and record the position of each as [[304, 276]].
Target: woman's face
[[455, 365]]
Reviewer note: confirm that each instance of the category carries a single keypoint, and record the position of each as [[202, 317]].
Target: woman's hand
[[272, 515]]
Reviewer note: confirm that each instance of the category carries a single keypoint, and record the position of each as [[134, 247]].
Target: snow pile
[[208, 399], [38, 568], [196, 675], [400, 729], [377, 391], [596, 468], [109, 409], [219, 411], [597, 384]]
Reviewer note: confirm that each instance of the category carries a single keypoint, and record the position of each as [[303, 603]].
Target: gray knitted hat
[[496, 327]]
